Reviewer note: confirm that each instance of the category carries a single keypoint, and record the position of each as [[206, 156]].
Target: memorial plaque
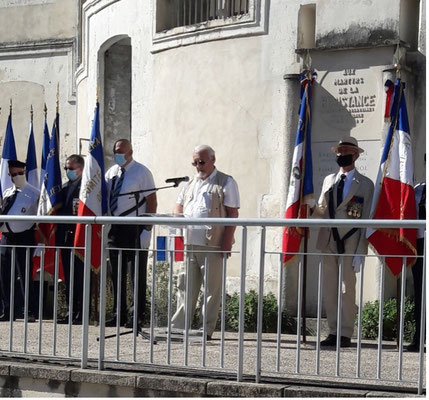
[[349, 96], [324, 161]]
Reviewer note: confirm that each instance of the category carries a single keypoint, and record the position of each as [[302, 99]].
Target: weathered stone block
[[309, 391], [238, 389], [56, 373], [104, 377], [172, 384]]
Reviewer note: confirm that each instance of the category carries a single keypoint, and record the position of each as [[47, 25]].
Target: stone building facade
[[173, 74]]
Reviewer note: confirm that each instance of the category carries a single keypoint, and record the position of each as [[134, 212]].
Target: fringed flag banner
[[93, 194], [394, 191], [49, 202], [301, 178]]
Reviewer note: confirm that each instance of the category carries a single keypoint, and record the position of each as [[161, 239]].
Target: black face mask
[[345, 161]]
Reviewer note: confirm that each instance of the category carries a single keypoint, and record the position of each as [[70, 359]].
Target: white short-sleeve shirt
[[137, 177], [26, 203]]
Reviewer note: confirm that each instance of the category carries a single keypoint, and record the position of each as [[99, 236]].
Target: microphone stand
[[136, 195]]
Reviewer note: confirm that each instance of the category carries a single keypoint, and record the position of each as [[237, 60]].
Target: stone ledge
[[104, 377], [172, 383], [390, 394], [312, 391], [4, 370], [241, 389], [57, 373]]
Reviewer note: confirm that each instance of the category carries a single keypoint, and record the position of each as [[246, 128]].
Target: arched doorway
[[115, 75]]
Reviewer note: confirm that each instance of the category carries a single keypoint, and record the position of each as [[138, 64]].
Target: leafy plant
[[370, 314]]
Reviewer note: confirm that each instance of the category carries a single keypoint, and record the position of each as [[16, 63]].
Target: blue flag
[[50, 200], [45, 151], [9, 153], [31, 171]]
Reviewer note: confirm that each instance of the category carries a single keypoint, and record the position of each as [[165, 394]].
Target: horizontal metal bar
[[183, 222]]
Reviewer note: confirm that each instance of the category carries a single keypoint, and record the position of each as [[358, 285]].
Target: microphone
[[176, 181]]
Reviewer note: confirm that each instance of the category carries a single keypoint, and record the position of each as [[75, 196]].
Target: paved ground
[[274, 368]]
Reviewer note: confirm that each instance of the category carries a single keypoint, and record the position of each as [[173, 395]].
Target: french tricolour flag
[[49, 202], [301, 179], [164, 244], [9, 153], [394, 191], [31, 171], [93, 193]]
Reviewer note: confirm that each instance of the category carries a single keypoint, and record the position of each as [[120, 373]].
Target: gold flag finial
[[10, 106], [45, 110], [397, 60], [98, 94], [31, 112]]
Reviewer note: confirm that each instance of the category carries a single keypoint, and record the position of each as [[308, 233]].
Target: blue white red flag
[[49, 202], [45, 152], [165, 244], [301, 179], [394, 191], [31, 162], [93, 193], [9, 153]]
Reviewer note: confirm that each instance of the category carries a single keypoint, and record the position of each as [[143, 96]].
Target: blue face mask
[[119, 159], [71, 174]]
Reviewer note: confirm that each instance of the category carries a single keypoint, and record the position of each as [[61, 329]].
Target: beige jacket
[[361, 190]]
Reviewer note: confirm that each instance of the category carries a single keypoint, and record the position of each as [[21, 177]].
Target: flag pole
[[307, 66], [397, 63]]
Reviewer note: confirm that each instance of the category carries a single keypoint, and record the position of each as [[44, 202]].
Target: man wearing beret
[[21, 199], [345, 195]]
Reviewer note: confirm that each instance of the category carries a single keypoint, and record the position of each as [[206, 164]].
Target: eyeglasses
[[71, 169], [199, 162], [17, 173]]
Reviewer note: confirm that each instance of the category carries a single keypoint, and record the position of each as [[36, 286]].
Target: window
[[175, 13], [186, 22]]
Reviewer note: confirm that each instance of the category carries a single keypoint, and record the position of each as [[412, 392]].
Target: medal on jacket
[[355, 207]]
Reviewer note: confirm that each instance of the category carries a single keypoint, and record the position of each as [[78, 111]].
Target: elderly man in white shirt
[[210, 194]]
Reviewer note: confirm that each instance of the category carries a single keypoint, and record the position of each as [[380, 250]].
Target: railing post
[[319, 313], [380, 318], [41, 290], [86, 299], [103, 284], [279, 313], [54, 331], [241, 306], [12, 296], [359, 338], [401, 318], [339, 315], [260, 306]]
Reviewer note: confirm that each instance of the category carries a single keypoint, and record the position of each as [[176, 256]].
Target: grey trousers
[[196, 279], [331, 264]]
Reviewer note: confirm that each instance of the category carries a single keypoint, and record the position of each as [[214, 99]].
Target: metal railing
[[261, 355], [189, 12]]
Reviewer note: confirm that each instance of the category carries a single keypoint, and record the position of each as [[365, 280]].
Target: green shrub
[[370, 314], [269, 320]]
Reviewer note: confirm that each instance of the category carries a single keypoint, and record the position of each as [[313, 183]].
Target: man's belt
[[338, 240]]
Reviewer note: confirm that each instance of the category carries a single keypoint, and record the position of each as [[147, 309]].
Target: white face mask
[[19, 181]]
